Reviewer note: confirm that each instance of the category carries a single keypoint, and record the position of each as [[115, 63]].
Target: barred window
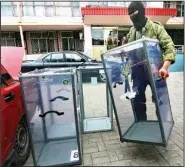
[[8, 39], [42, 42]]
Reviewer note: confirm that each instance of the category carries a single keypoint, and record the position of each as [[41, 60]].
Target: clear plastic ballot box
[[53, 116], [139, 96], [95, 103]]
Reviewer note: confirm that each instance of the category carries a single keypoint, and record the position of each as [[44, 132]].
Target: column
[[87, 40]]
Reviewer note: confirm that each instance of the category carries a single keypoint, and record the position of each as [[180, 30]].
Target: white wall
[[52, 20], [87, 40], [83, 4], [155, 4]]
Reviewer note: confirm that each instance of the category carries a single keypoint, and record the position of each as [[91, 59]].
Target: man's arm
[[127, 38], [167, 46], [168, 49]]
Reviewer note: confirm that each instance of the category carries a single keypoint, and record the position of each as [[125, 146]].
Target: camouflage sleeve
[[128, 36], [166, 44]]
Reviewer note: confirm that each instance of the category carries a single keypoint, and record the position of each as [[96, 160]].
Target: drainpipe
[[20, 29]]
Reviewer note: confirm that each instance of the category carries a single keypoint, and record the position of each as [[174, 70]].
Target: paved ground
[[105, 149]]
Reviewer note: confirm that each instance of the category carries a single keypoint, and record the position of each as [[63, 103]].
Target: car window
[[7, 78], [72, 57], [3, 83], [57, 57], [47, 59]]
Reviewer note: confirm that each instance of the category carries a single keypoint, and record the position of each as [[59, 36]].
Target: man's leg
[[140, 99]]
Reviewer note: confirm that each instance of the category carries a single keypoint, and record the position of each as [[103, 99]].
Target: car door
[[54, 60], [10, 112]]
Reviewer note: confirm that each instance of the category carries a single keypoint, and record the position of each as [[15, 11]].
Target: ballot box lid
[[130, 46], [49, 72], [90, 67]]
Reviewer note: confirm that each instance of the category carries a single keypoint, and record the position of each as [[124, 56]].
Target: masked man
[[145, 27]]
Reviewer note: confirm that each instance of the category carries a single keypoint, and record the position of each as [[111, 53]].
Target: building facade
[[42, 27]]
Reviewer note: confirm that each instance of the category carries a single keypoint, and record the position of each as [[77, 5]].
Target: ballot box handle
[[162, 77], [51, 111], [159, 78]]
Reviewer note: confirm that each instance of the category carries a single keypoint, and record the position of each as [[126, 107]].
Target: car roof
[[78, 52]]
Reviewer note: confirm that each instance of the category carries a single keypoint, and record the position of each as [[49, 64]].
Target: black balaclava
[[139, 20]]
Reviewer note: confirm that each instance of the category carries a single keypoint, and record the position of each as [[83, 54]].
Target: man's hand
[[163, 72]]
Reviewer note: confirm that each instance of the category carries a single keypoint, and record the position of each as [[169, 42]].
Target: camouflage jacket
[[155, 30]]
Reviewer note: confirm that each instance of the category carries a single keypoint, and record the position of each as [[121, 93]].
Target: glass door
[[68, 43]]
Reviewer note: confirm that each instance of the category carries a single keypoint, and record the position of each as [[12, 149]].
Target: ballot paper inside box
[[53, 116], [95, 103], [133, 66]]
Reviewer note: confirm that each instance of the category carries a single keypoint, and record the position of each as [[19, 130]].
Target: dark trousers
[[140, 82]]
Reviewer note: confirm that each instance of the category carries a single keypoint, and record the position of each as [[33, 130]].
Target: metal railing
[[179, 49]]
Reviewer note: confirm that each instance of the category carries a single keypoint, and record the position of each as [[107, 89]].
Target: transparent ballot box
[[53, 116], [139, 96], [95, 103]]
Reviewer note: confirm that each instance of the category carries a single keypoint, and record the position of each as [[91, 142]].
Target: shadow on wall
[[178, 66]]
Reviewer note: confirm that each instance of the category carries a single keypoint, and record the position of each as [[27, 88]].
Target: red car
[[15, 144]]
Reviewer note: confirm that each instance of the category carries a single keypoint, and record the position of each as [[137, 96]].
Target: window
[[101, 3], [6, 11], [48, 9], [97, 36], [72, 57], [39, 11], [8, 39], [47, 58], [57, 57], [42, 42], [76, 11], [7, 78], [9, 9], [166, 4], [180, 9], [113, 3], [3, 83], [75, 3], [63, 11], [66, 34], [93, 3]]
